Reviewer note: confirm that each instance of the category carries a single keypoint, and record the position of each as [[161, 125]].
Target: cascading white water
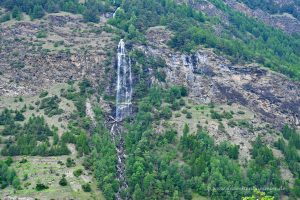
[[116, 12], [124, 84], [123, 110]]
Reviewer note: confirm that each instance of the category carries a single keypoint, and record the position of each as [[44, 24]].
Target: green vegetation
[[8, 175], [16, 13], [51, 106], [49, 171], [35, 137], [271, 7], [43, 94], [41, 34], [232, 151], [90, 9], [189, 115], [30, 139], [6, 117], [5, 18], [18, 64], [205, 162], [63, 181], [220, 116], [99, 150], [292, 136], [146, 173], [291, 155], [166, 113], [104, 158], [86, 187], [41, 186], [19, 116], [205, 168], [140, 67], [263, 169], [77, 172], [258, 196], [70, 162], [58, 43]]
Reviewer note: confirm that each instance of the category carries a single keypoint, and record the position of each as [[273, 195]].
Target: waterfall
[[116, 12], [124, 84], [123, 110]]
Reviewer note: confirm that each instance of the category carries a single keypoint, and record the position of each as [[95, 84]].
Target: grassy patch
[[48, 171], [210, 115], [32, 106]]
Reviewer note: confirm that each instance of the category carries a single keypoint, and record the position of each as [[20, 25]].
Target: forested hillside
[[211, 105], [291, 7]]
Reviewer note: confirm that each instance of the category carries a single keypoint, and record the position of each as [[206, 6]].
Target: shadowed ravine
[[123, 110]]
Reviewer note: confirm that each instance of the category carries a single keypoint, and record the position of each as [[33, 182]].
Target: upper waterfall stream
[[124, 84]]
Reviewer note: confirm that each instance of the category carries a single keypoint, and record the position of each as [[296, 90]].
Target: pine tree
[[138, 194], [186, 129], [16, 13], [91, 15], [38, 12]]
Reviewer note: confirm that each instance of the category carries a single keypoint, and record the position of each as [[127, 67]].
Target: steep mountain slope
[[215, 107], [54, 50], [213, 78], [283, 15]]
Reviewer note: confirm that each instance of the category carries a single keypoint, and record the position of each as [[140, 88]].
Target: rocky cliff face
[[213, 78]]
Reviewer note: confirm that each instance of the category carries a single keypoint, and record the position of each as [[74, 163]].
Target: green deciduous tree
[[259, 196]]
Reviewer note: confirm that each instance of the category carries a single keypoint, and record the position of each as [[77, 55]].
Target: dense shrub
[[70, 162], [166, 113], [86, 187], [51, 106], [77, 172], [32, 139], [63, 181], [41, 186], [8, 175]]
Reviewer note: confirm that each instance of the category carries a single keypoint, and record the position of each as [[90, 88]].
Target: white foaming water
[[124, 84], [116, 12]]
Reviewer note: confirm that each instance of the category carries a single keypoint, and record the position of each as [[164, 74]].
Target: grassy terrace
[[49, 170]]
